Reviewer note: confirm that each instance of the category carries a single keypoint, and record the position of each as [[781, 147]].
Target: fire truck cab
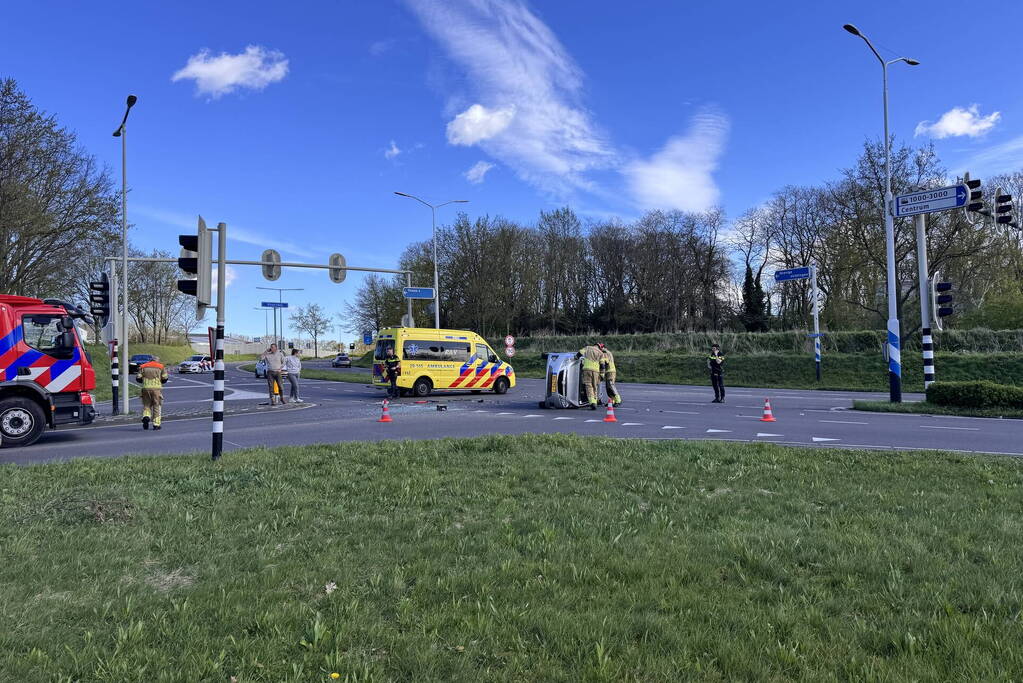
[[45, 371]]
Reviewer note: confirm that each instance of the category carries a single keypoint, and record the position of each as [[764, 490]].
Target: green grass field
[[925, 408], [331, 375], [514, 559], [169, 355]]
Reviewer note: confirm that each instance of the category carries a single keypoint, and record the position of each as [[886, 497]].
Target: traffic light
[[941, 301], [99, 299], [1003, 207], [976, 200], [273, 271], [337, 268], [196, 258]]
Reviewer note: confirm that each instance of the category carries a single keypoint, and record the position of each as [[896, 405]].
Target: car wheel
[[422, 387], [501, 385], [21, 422]]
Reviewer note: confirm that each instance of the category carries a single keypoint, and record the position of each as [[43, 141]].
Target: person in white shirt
[[274, 360], [292, 368]]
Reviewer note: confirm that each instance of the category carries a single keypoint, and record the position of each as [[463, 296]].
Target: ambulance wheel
[[21, 422], [501, 386], [422, 387]]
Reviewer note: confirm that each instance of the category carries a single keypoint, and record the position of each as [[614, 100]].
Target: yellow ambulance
[[441, 360]]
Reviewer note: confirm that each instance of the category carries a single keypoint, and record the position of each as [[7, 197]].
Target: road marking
[[481, 411], [966, 429], [760, 434], [531, 415], [818, 439], [632, 424], [843, 422], [671, 427], [564, 418], [594, 420], [718, 431], [506, 413], [680, 412]]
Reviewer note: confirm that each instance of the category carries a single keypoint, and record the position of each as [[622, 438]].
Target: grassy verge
[[926, 408], [849, 371], [330, 375], [169, 355], [514, 558]]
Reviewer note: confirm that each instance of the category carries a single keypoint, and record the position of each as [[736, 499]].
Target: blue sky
[[295, 122]]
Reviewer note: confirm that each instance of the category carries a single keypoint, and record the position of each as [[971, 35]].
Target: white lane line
[[680, 412], [481, 411], [843, 422], [564, 418], [818, 439], [594, 420], [965, 429], [506, 413], [531, 415], [632, 424], [671, 427], [761, 434], [718, 431]]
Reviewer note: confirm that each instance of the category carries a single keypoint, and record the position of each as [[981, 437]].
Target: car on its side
[[261, 369], [341, 360], [198, 363], [138, 359]]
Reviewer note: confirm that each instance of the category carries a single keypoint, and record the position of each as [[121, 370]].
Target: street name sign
[[929, 201], [792, 274], [275, 304], [417, 292]]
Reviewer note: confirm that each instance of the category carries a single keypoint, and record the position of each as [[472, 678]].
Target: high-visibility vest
[[591, 358], [152, 375]]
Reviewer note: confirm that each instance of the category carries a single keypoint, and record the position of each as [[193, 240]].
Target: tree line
[[672, 271]]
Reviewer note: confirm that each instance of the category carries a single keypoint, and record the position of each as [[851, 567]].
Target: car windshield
[[141, 356], [197, 358]]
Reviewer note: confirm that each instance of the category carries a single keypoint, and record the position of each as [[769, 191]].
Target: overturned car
[[563, 386]]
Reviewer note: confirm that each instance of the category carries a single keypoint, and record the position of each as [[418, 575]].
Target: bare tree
[[314, 321]]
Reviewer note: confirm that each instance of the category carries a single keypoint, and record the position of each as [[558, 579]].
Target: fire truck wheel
[[21, 421]]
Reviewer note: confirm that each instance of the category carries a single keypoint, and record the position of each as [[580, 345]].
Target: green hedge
[[982, 394], [795, 341]]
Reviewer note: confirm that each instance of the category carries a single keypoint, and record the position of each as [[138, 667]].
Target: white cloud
[[230, 275], [392, 151], [255, 68], [476, 174], [680, 175], [379, 47], [527, 109], [1001, 158], [958, 122], [477, 123]]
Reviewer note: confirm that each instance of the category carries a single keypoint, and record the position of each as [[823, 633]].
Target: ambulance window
[[43, 333], [381, 351], [483, 352]]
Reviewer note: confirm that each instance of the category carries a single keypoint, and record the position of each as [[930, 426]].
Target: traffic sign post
[[807, 273], [367, 337], [931, 201]]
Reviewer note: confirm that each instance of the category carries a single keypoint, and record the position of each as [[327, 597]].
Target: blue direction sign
[[367, 337], [418, 292], [792, 274], [275, 304], [929, 201]]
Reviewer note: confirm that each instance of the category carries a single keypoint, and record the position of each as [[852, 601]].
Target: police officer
[[152, 376], [610, 374], [717, 378], [591, 355], [392, 368]]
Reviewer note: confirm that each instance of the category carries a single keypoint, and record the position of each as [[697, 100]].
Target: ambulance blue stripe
[[25, 360], [8, 342], [61, 366]]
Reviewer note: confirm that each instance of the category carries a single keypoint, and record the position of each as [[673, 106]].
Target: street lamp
[[436, 280], [266, 323], [280, 299], [122, 132], [894, 343]]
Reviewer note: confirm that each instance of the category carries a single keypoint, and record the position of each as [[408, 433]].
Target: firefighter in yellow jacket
[[609, 373], [591, 355], [152, 376]]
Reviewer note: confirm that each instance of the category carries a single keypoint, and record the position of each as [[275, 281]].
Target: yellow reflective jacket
[[591, 358], [607, 364], [152, 375]]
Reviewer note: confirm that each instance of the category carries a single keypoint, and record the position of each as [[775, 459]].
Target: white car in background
[[197, 363]]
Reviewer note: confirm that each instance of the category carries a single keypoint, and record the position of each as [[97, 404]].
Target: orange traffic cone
[[768, 415], [386, 416], [610, 417]]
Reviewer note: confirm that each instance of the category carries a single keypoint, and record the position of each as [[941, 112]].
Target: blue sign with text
[[275, 304], [367, 337], [792, 274], [417, 292]]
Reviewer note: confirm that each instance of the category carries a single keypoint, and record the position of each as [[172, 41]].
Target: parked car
[[341, 360], [138, 359], [261, 369], [197, 363]]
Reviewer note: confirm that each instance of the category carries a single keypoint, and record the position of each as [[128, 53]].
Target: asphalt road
[[343, 411]]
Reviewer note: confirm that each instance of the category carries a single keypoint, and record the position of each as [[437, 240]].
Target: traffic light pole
[[218, 358], [816, 321], [927, 342]]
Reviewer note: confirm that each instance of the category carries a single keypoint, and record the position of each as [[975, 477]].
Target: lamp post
[[436, 279], [894, 343], [280, 299], [122, 132], [266, 323]]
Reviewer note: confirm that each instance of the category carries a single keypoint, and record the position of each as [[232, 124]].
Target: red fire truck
[[45, 371]]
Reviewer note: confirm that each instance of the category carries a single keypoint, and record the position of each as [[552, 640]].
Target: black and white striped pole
[[927, 342], [218, 359], [115, 377]]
